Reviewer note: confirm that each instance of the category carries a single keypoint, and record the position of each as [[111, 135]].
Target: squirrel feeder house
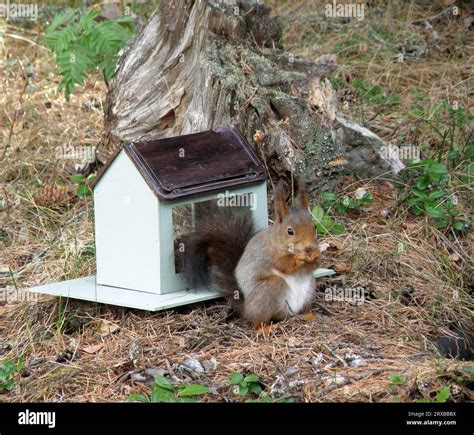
[[148, 195], [146, 198]]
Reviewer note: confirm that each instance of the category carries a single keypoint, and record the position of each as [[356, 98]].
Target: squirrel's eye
[[290, 231]]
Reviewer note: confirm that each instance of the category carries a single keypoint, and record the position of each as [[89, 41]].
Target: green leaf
[[400, 248], [91, 178], [8, 366], [367, 198], [10, 384], [109, 37], [193, 390], [318, 214], [73, 66], [441, 224], [90, 43], [443, 394], [358, 83], [107, 65], [353, 203], [138, 398], [236, 378], [426, 163], [398, 379], [437, 168], [325, 225], [161, 381], [251, 378], [60, 40], [60, 19], [416, 210], [266, 399], [340, 208], [328, 198], [393, 100], [452, 154], [423, 182], [78, 178], [469, 173], [83, 191], [126, 21], [434, 212], [255, 388], [162, 395], [374, 90], [461, 225], [419, 194], [338, 229], [20, 365], [469, 151], [243, 390], [86, 22], [436, 194]]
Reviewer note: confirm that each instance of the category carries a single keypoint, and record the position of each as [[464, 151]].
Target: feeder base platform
[[88, 290]]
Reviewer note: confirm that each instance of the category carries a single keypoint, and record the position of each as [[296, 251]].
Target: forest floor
[[417, 280]]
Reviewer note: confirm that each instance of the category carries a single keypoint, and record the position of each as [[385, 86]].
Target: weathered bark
[[199, 64]]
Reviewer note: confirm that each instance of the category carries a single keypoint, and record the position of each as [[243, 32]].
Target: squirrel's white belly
[[300, 290]]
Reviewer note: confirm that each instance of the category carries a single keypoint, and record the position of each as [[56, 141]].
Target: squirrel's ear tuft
[[281, 209], [302, 196]]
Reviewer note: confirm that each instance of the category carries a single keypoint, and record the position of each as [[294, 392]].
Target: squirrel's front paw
[[265, 328], [308, 316]]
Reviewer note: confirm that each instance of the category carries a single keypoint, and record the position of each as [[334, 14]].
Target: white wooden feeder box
[[146, 197]]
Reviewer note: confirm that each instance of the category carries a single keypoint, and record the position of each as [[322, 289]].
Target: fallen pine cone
[[53, 195]]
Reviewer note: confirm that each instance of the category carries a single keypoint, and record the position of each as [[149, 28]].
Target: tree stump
[[200, 64]]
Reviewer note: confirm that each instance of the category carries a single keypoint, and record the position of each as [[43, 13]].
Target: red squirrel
[[268, 275]]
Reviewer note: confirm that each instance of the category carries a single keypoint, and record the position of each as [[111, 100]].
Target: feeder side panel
[[126, 229]]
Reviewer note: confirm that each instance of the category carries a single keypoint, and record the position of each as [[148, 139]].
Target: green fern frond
[[87, 21], [110, 37], [73, 66], [82, 44], [59, 40], [61, 19]]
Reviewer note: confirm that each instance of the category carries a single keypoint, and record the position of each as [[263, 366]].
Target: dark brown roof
[[181, 166]]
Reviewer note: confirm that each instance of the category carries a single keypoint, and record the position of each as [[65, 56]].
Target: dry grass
[[417, 279]]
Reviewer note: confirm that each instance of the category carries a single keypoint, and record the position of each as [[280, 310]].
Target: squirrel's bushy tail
[[213, 249]]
